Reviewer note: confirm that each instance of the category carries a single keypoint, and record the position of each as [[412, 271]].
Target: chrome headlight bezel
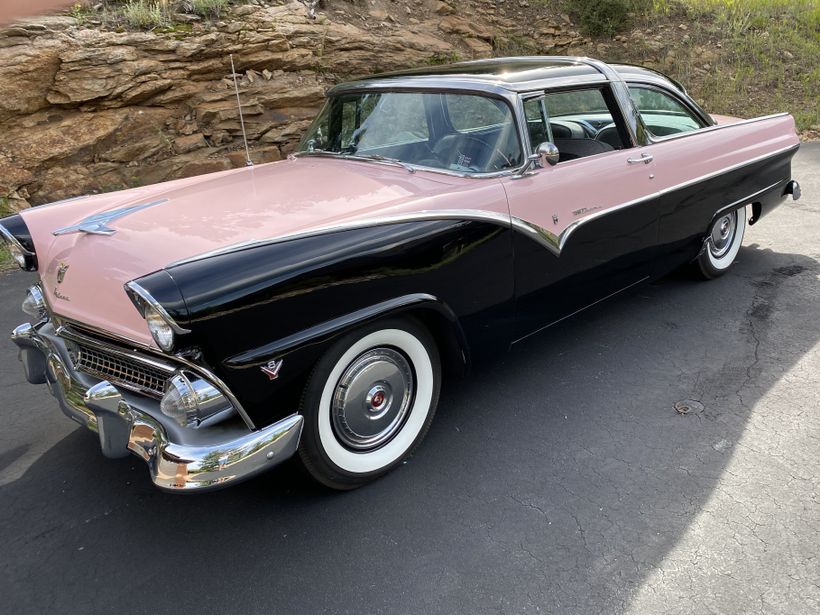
[[161, 325], [35, 304]]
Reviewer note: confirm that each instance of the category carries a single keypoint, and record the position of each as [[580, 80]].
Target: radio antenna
[[248, 162]]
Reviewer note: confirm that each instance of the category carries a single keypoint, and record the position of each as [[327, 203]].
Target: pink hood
[[197, 215]]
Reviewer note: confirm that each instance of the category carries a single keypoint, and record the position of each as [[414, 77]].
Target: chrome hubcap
[[372, 399], [723, 234]]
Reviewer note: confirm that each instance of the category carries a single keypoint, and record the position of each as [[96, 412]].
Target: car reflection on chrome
[[215, 326]]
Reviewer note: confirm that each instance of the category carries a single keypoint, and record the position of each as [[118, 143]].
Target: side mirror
[[547, 154]]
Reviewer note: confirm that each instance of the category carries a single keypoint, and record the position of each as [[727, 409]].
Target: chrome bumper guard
[[179, 459]]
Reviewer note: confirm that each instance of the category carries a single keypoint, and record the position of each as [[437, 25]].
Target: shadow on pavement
[[559, 476]]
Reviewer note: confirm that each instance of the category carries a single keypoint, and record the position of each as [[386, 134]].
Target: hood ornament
[[97, 224]]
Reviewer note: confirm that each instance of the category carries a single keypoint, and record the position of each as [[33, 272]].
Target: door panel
[[590, 245]]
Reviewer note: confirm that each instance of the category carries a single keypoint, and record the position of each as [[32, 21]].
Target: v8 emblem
[[271, 370]]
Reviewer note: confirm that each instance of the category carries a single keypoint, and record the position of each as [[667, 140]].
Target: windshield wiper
[[377, 157], [408, 167]]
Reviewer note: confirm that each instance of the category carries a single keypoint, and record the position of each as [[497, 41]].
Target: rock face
[[88, 110]]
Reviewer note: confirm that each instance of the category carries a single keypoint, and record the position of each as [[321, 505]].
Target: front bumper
[[179, 459]]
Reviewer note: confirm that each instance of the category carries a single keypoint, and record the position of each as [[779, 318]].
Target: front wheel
[[369, 402], [722, 244]]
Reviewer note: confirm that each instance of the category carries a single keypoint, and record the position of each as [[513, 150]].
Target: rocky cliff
[[89, 109]]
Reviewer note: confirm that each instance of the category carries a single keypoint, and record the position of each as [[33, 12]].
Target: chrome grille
[[118, 370]]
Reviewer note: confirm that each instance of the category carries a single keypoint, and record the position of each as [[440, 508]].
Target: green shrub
[[144, 14], [600, 17], [207, 8]]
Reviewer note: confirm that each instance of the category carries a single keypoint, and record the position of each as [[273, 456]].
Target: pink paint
[[215, 211], [210, 212]]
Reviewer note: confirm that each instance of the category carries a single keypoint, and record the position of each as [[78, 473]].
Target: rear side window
[[662, 113], [583, 122]]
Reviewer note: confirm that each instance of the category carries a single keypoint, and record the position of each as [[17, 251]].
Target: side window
[[662, 113], [537, 121], [583, 122]]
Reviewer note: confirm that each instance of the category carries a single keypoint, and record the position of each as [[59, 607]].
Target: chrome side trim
[[133, 288], [555, 243], [66, 331], [443, 214], [13, 240]]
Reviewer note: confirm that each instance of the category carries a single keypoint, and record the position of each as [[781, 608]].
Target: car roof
[[505, 75]]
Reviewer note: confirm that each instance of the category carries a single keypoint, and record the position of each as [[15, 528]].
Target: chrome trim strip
[[555, 243], [133, 288], [13, 240], [443, 214], [547, 238], [201, 371], [521, 339]]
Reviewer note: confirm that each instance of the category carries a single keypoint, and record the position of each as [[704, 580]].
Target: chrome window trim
[[13, 240], [699, 115], [64, 330], [555, 243], [133, 288], [502, 219]]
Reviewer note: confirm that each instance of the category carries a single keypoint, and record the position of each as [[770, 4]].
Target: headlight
[[193, 402], [34, 305], [161, 331], [17, 255]]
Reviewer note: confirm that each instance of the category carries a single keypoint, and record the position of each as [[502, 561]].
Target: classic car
[[217, 325]]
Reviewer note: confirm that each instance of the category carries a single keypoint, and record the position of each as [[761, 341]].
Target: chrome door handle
[[645, 158]]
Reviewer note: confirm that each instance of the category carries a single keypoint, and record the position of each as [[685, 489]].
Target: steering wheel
[[498, 161]]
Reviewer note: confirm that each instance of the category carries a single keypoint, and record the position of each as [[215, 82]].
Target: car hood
[[83, 274]]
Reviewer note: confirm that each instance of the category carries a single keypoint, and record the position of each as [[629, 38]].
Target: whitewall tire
[[722, 244], [369, 402]]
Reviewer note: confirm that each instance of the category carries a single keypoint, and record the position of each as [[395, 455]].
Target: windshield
[[459, 132]]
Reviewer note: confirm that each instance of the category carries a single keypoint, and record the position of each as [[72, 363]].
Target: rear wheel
[[369, 403], [722, 244]]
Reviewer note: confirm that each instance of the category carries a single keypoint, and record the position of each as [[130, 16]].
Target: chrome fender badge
[[271, 370], [61, 271]]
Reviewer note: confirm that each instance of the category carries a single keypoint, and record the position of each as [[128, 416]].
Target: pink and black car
[[217, 325]]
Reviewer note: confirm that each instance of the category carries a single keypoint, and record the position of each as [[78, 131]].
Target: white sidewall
[[727, 259], [362, 463]]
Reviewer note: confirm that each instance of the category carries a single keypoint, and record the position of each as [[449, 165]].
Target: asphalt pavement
[[560, 479]]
